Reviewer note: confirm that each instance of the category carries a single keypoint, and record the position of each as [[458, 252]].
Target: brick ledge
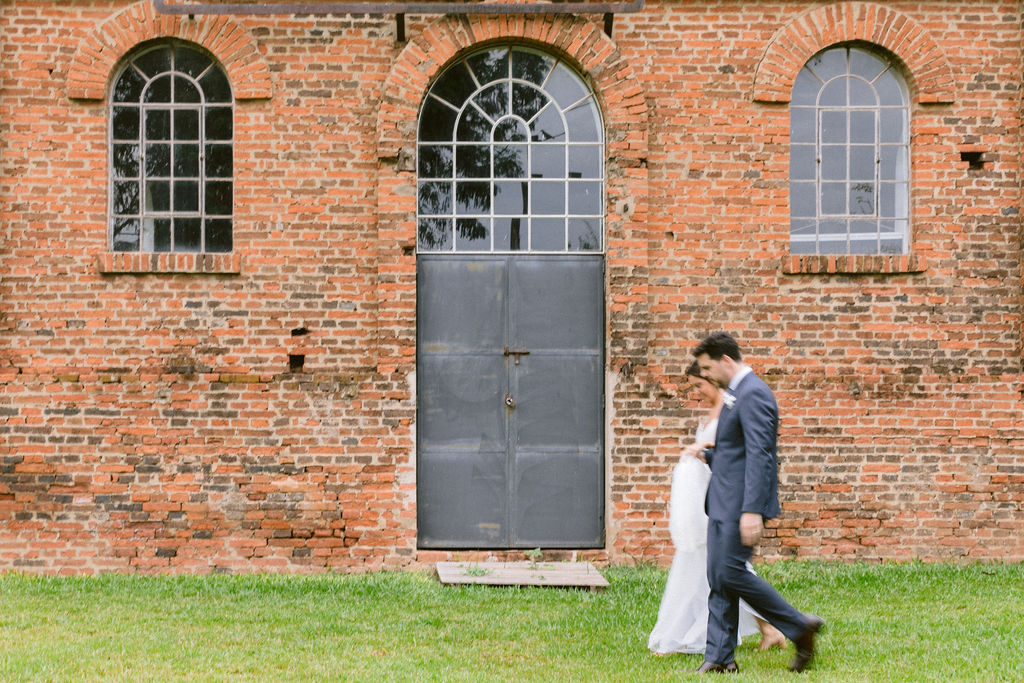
[[810, 264], [112, 263]]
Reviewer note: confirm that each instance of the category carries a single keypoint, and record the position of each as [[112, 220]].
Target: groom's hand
[[751, 528]]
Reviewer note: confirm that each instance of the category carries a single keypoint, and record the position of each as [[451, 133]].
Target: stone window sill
[[112, 263], [808, 264]]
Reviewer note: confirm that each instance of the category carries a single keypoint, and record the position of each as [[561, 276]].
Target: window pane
[[893, 125], [803, 162], [510, 161], [186, 195], [472, 161], [833, 94], [803, 125], [435, 234], [862, 126], [527, 101], [158, 161], [455, 85], [833, 126], [833, 198], [547, 234], [832, 227], [218, 199], [187, 234], [158, 124], [531, 66], [583, 123], [126, 161], [125, 123], [511, 130], [510, 233], [585, 198], [185, 92], [805, 89], [472, 234], [158, 195], [892, 246], [218, 235], [585, 234], [803, 228], [862, 162], [472, 198], [893, 201], [490, 65], [218, 161], [186, 124], [129, 86], [893, 163], [548, 125], [437, 122], [126, 234], [219, 125], [493, 100], [156, 234], [832, 247], [159, 90], [548, 161], [890, 90], [511, 198], [435, 161], [126, 198], [215, 86], [474, 127], [548, 198], [828, 64], [861, 94], [864, 244], [186, 161], [565, 86], [862, 199], [802, 246], [865, 64], [803, 200], [585, 161], [435, 198], [191, 62], [154, 62], [833, 162]]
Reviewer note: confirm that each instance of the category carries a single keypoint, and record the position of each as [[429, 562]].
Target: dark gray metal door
[[510, 401]]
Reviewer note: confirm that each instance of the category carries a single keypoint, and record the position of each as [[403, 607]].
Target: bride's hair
[[694, 370]]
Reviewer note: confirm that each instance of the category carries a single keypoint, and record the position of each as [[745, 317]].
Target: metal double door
[[510, 401]]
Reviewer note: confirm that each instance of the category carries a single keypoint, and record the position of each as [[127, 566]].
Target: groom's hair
[[717, 345]]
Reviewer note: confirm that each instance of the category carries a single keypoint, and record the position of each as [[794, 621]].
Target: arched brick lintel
[[791, 47], [230, 42]]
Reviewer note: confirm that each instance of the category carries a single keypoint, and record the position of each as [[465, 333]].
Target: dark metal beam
[[606, 8]]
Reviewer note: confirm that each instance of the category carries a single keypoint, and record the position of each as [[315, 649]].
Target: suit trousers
[[730, 580]]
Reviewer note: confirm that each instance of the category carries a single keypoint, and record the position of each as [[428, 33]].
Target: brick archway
[[929, 70], [232, 44], [620, 95]]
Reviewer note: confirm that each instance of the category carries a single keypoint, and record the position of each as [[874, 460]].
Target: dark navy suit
[[744, 478]]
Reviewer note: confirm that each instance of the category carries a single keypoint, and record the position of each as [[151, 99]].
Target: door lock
[[515, 352], [509, 401]]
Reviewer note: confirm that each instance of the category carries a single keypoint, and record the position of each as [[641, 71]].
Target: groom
[[743, 493]]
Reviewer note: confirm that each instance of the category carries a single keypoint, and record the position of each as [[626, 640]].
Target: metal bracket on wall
[[400, 9]]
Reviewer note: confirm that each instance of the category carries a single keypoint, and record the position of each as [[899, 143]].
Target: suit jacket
[[744, 461]]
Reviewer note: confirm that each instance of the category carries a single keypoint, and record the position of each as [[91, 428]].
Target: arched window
[[171, 153], [849, 155], [510, 157]]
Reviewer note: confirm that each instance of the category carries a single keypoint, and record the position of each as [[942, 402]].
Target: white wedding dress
[[683, 616]]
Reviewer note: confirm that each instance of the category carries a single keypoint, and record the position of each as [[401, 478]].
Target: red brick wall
[[148, 418]]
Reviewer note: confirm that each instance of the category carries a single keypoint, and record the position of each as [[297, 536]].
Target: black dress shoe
[[716, 668], [805, 643]]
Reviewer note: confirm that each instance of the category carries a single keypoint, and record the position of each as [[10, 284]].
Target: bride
[[683, 615]]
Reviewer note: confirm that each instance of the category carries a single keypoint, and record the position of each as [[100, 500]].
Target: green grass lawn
[[889, 622]]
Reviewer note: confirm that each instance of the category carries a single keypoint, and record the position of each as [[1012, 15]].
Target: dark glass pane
[[158, 161], [474, 127], [186, 124], [893, 125], [861, 94], [803, 200], [803, 124], [585, 161], [435, 234], [126, 198], [154, 62], [565, 86], [191, 62], [890, 89], [186, 195], [585, 199], [584, 234], [833, 198], [437, 122], [188, 235], [547, 198], [435, 199], [802, 162], [161, 233], [126, 234], [185, 92], [435, 161], [218, 199], [472, 198], [510, 161], [125, 123], [833, 162], [219, 125], [547, 234], [548, 161], [833, 126], [215, 86], [158, 124], [510, 197], [531, 66], [186, 161], [527, 100], [490, 65], [865, 64], [126, 161], [862, 126], [159, 90], [129, 86], [862, 162], [218, 235], [455, 85], [583, 123], [494, 100], [833, 94], [828, 64], [158, 195], [472, 234], [218, 161], [893, 164], [510, 233], [472, 161], [548, 125], [510, 130], [805, 89], [862, 199]]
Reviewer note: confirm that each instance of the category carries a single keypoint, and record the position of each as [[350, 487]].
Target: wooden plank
[[562, 574]]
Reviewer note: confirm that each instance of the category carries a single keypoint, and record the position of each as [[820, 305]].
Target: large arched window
[[510, 157], [849, 155], [171, 154]]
